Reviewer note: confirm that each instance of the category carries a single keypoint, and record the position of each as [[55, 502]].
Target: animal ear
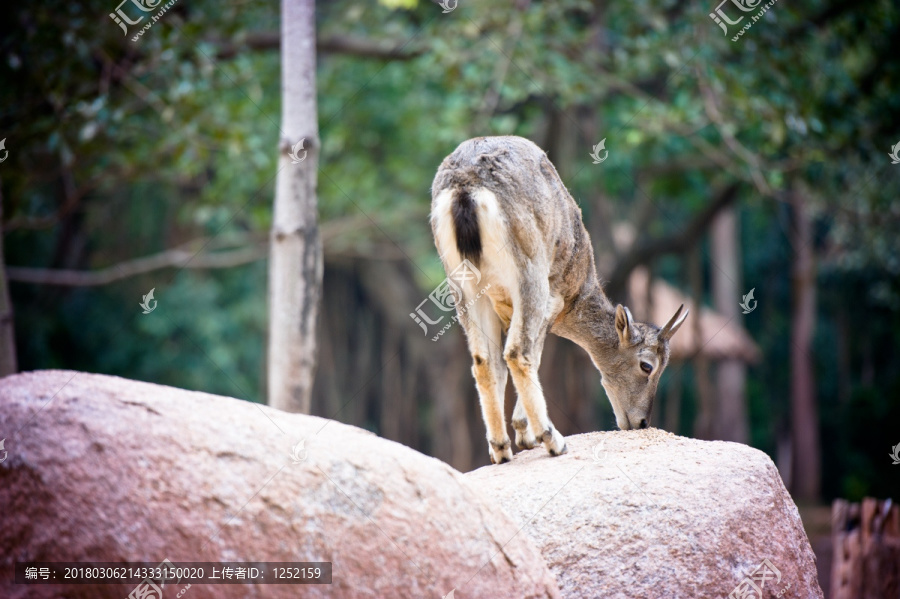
[[674, 323], [625, 326]]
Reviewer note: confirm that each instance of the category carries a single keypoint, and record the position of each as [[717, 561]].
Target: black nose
[[643, 423]]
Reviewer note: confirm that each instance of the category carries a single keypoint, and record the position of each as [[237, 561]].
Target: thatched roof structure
[[719, 338]]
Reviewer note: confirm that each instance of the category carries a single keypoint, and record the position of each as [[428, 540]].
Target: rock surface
[[105, 469], [646, 513]]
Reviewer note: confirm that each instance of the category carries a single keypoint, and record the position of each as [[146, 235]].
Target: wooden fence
[[866, 540]]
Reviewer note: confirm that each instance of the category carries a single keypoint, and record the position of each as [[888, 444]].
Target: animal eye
[[646, 367]]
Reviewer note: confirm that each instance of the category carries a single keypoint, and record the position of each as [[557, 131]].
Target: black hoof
[[564, 449], [524, 445]]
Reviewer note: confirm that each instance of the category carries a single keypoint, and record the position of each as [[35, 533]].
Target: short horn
[[674, 323]]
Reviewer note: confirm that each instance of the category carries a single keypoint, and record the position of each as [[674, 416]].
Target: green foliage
[[164, 141], [399, 3]]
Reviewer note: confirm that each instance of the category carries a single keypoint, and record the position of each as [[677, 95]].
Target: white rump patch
[[496, 256], [444, 233]]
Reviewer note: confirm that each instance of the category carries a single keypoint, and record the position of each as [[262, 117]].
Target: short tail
[[465, 224]]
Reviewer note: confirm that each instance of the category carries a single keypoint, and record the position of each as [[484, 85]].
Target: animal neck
[[590, 321]]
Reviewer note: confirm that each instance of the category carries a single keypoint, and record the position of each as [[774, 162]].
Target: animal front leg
[[523, 356]]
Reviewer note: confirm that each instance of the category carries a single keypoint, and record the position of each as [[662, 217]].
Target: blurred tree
[[8, 362], [704, 419], [806, 452], [295, 258], [730, 420]]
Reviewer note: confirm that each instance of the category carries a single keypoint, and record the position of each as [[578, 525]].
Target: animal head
[[632, 370]]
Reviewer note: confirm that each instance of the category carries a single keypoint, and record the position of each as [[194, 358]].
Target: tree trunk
[[672, 422], [730, 421], [295, 260], [8, 363], [804, 414], [704, 417]]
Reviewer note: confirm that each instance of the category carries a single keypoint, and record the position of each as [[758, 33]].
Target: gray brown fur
[[543, 279]]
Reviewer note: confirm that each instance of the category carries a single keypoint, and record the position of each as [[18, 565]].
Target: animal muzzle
[[635, 422]]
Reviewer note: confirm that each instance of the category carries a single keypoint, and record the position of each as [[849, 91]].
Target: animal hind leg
[[483, 331]]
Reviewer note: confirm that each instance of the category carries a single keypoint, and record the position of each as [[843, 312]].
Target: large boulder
[[649, 514], [104, 469]]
